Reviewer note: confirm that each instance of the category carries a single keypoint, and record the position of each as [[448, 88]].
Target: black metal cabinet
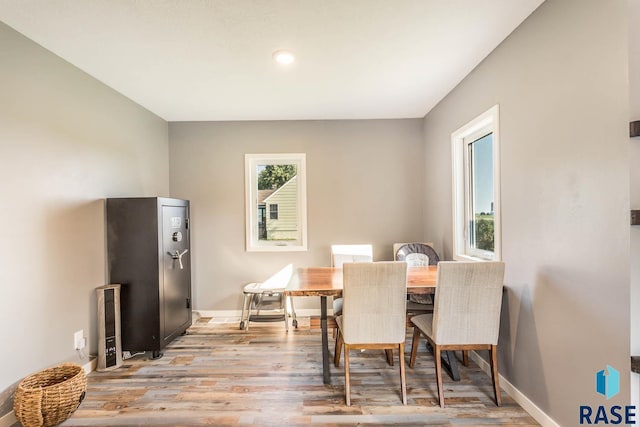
[[148, 246]]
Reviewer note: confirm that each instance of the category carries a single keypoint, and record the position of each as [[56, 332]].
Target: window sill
[[274, 248], [472, 258]]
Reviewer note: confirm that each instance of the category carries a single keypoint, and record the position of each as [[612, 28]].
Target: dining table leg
[[326, 375], [449, 362]]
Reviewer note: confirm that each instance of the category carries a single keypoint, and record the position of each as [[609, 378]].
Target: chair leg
[[338, 349], [251, 298], [286, 314], [438, 360], [389, 354], [414, 346], [258, 303], [494, 374], [403, 382], [347, 378], [244, 305]]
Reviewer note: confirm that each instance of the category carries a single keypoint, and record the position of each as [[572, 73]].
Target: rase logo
[[608, 385], [608, 382]]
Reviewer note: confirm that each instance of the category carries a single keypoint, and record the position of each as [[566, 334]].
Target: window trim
[[487, 122], [251, 161]]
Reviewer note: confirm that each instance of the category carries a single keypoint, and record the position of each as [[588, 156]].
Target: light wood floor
[[219, 375]]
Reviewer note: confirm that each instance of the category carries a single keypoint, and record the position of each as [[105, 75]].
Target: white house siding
[[286, 226]]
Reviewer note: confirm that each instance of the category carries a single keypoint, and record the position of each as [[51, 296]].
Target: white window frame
[[485, 123], [251, 162]]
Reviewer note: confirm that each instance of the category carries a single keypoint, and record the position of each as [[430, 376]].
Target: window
[[276, 206], [476, 188], [273, 211]]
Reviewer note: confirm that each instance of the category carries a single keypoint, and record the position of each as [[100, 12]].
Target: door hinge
[[188, 302], [186, 223]]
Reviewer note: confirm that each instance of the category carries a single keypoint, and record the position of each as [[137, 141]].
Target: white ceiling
[[211, 59]]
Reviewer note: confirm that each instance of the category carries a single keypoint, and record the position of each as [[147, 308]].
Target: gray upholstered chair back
[[374, 302], [341, 254], [416, 260], [414, 250], [468, 302]]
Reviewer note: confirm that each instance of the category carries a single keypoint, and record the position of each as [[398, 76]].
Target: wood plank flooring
[[218, 375]]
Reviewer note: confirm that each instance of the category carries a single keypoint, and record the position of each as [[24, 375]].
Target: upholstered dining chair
[[373, 313], [466, 315], [417, 254]]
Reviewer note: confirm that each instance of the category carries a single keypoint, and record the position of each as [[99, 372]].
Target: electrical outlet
[[78, 340]]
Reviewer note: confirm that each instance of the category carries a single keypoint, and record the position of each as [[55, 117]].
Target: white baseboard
[[236, 313], [218, 313], [8, 420], [538, 414], [90, 365]]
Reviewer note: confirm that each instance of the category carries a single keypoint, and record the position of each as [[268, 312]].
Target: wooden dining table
[[327, 282]]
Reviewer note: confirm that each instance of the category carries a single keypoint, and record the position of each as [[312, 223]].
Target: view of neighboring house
[[262, 213], [278, 211]]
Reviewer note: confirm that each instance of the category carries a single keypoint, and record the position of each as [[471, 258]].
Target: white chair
[[341, 254], [466, 315], [268, 296], [350, 253], [373, 315]]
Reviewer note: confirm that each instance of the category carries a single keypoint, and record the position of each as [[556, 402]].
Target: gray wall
[[561, 82], [364, 185], [66, 142]]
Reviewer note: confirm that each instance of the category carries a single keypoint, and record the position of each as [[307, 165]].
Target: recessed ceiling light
[[283, 57]]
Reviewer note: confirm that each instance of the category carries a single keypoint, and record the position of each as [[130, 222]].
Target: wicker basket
[[50, 396]]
